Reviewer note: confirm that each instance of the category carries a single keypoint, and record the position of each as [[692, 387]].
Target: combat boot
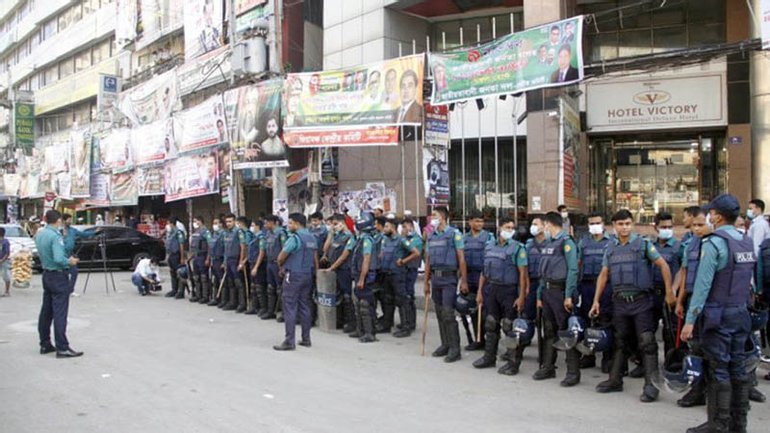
[[650, 361], [739, 406], [367, 322], [443, 349], [696, 396], [171, 294], [263, 304], [474, 345], [252, 309], [231, 301], [587, 361], [241, 299], [205, 289], [225, 295], [755, 394], [412, 315], [511, 367], [573, 369], [453, 336], [615, 382], [711, 408], [359, 329], [385, 323], [404, 311], [548, 369], [196, 288], [489, 359], [271, 304], [349, 316]]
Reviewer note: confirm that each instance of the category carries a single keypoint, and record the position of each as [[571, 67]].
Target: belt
[[629, 297], [444, 273], [55, 270], [555, 285], [502, 283]]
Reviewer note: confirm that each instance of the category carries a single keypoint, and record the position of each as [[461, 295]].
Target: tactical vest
[[216, 245], [199, 245], [764, 255], [301, 260], [441, 248], [693, 260], [553, 263], [320, 236], [670, 254], [339, 241], [499, 264], [534, 254], [392, 250], [172, 243], [592, 252], [254, 248], [414, 263], [232, 244], [274, 247], [732, 285], [358, 255], [376, 251], [474, 250], [629, 270]]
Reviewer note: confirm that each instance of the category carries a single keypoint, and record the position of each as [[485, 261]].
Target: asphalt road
[[153, 364]]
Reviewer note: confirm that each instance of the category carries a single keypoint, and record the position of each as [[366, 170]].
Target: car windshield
[[15, 232]]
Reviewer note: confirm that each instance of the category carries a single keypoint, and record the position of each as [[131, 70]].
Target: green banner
[[24, 121], [546, 56]]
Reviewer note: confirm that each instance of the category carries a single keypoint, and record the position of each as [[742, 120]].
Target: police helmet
[[365, 222], [759, 315], [517, 333], [688, 374], [597, 339], [574, 333], [465, 304]]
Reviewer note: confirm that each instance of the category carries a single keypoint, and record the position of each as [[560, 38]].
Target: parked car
[[124, 247]]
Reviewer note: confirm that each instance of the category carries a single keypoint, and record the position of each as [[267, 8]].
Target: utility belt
[[555, 285], [51, 271], [444, 273], [589, 278], [502, 283], [741, 305], [388, 272], [629, 296]]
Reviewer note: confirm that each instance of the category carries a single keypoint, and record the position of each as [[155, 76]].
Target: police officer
[[444, 257], [412, 263], [198, 251], [762, 278], [669, 248], [216, 251], [175, 241], [720, 298], [244, 225], [386, 301], [558, 284], [337, 249], [275, 237], [56, 288], [318, 230], [534, 246], [590, 253], [257, 274], [299, 260], [502, 292], [476, 242], [71, 235], [364, 268], [394, 251], [235, 256], [626, 265]]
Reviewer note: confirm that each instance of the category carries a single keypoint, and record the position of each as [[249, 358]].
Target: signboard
[[191, 175], [656, 103], [202, 27], [153, 142], [256, 141], [149, 180], [123, 189], [207, 70], [114, 150], [435, 168], [343, 137], [201, 126], [546, 56], [107, 99], [571, 152], [24, 124], [436, 125], [80, 163], [100, 190], [152, 100]]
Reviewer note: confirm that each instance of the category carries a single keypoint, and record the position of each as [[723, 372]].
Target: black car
[[123, 247]]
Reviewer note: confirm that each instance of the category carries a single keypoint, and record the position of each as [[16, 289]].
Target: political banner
[[225, 173], [100, 190], [158, 18], [571, 153], [281, 209], [329, 166], [80, 162], [343, 137], [56, 156], [152, 100], [107, 99], [435, 168], [436, 125], [11, 183], [202, 27], [126, 15], [191, 175], [201, 126], [114, 150], [149, 180], [256, 140], [24, 126], [207, 70], [123, 189], [374, 195], [386, 93], [151, 143], [546, 56]]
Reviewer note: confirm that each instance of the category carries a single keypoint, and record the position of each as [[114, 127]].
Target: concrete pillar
[[760, 112]]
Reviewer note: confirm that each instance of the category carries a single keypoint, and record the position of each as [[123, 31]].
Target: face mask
[[215, 227], [434, 222], [595, 229], [253, 230], [196, 226], [741, 230], [534, 230], [750, 214], [565, 215], [666, 233], [169, 228], [506, 234]]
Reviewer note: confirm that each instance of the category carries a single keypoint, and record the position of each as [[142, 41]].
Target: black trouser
[[174, 261]]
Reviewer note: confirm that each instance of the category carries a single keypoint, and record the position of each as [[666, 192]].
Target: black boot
[[718, 407], [262, 295], [404, 311], [755, 394], [474, 345], [195, 293], [367, 322], [489, 359], [272, 297], [171, 294], [696, 396], [615, 382], [205, 288], [252, 309], [548, 370], [452, 330], [230, 298], [241, 291], [587, 361], [573, 369], [739, 406], [511, 367], [443, 349], [711, 408], [359, 329], [412, 314], [650, 361], [279, 304], [348, 314], [388, 311], [225, 296]]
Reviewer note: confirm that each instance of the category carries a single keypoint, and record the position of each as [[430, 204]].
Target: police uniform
[[259, 282], [216, 251], [690, 261], [414, 243], [342, 241], [56, 289], [558, 281], [200, 274], [299, 269], [590, 254], [392, 249], [534, 253], [234, 296], [365, 302], [633, 315], [442, 259], [721, 294], [671, 252], [71, 235], [174, 243], [762, 278], [475, 246], [274, 240]]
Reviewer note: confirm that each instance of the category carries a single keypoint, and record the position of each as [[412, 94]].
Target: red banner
[[364, 136]]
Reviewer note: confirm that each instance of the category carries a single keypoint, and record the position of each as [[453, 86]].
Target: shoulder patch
[[523, 254], [241, 236], [567, 248], [458, 237], [652, 249]]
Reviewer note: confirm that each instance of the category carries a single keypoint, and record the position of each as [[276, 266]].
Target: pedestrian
[[364, 271], [568, 228], [298, 260], [197, 257], [5, 262], [174, 252], [145, 275], [476, 241], [71, 236], [235, 254], [338, 247], [216, 251], [56, 288], [759, 230], [721, 294]]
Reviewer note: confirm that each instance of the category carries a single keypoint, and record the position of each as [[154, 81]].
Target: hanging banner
[[205, 71], [257, 142], [201, 126], [151, 143], [158, 18], [436, 125], [202, 27], [62, 185], [56, 157], [114, 150], [281, 209], [343, 137], [571, 152], [764, 16], [374, 195], [546, 56], [435, 168], [24, 125], [150, 180], [192, 175], [123, 189], [225, 172], [11, 182], [125, 22], [329, 166], [80, 163], [107, 99], [152, 100], [100, 190]]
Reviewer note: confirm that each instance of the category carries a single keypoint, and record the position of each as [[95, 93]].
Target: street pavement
[[154, 364]]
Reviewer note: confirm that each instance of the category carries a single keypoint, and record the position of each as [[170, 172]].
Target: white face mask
[[253, 230], [595, 229], [215, 227], [565, 215], [741, 230], [196, 225], [534, 230], [666, 233], [169, 228], [750, 214], [506, 234], [434, 222]]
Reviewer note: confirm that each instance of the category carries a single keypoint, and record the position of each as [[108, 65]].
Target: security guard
[[412, 263], [364, 267], [244, 225], [558, 284], [337, 249], [444, 257], [590, 253], [56, 288], [216, 244], [476, 242], [175, 241], [198, 251], [232, 264], [257, 274], [394, 252], [298, 260], [275, 237], [71, 235], [720, 298], [670, 249], [502, 292], [626, 265]]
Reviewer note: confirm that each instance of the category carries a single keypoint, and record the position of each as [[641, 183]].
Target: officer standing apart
[[71, 236], [719, 302], [476, 242], [337, 249], [275, 237], [174, 253], [626, 265], [443, 259], [502, 292], [395, 254], [198, 251], [298, 260], [558, 284], [364, 268], [216, 251], [56, 288]]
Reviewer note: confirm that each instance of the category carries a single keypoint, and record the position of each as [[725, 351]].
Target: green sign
[[545, 56], [24, 121]]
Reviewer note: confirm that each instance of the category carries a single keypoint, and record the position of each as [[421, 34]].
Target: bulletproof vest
[[415, 263], [198, 245], [499, 264], [216, 245], [273, 248], [670, 254], [172, 242], [441, 248], [764, 255], [628, 267], [254, 248], [693, 260], [390, 253], [339, 241], [553, 263], [232, 244], [320, 236], [358, 255], [376, 252], [732, 285], [474, 250], [301, 260], [592, 252], [534, 253]]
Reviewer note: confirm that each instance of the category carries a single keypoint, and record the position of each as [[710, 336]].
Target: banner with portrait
[[224, 160], [100, 190], [123, 189], [149, 180], [202, 27], [546, 56], [114, 150], [571, 154], [151, 143], [192, 175], [152, 100], [435, 169], [80, 162], [201, 126], [256, 141]]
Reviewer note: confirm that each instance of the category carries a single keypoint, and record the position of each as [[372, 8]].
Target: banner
[[152, 143], [11, 182], [24, 124], [281, 209], [256, 142], [545, 56], [192, 175], [225, 173], [242, 6], [201, 126], [80, 162], [329, 166], [150, 180], [123, 189], [205, 71], [436, 125], [375, 194], [765, 17], [343, 137], [107, 99], [158, 18], [114, 150], [56, 157], [571, 152], [202, 27], [125, 22], [435, 168], [152, 100], [100, 190]]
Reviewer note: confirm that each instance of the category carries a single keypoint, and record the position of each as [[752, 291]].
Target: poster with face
[[123, 189], [150, 180], [191, 175], [201, 126], [435, 168], [152, 100], [257, 142], [80, 162], [202, 27], [114, 150], [151, 143]]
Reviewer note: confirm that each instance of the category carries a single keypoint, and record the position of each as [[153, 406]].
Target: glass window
[[669, 38], [51, 75], [82, 60], [706, 34], [66, 68], [49, 29], [603, 46], [706, 11], [64, 20], [670, 15], [101, 51], [90, 6], [76, 13]]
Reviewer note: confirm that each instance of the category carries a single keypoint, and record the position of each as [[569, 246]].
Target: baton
[[424, 328], [222, 283], [248, 287]]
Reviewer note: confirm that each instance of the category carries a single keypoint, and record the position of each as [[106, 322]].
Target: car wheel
[[137, 258]]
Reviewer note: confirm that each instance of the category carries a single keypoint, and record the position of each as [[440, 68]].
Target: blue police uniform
[[392, 249], [344, 241], [216, 252], [320, 233], [474, 256], [690, 261], [71, 235], [442, 258], [175, 240], [274, 241], [412, 267], [365, 312], [236, 295], [258, 283], [671, 251], [534, 253], [591, 253], [199, 251], [762, 279], [56, 288], [299, 269]]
